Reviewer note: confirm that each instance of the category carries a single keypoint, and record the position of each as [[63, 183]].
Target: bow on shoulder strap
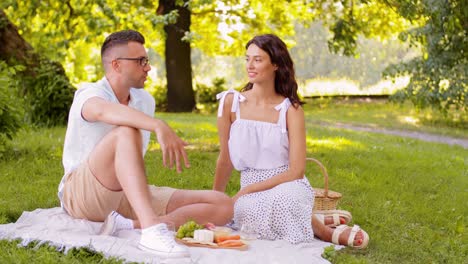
[[235, 104], [283, 108]]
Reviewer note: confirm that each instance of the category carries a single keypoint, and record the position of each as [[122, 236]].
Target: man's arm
[[96, 109]]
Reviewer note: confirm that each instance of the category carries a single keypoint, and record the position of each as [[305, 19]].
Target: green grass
[[381, 114], [409, 195], [323, 86]]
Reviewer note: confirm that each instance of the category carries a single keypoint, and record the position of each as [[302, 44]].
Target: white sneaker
[[110, 225], [159, 240]]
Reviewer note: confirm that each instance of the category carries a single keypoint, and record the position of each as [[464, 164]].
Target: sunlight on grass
[[381, 113], [200, 136], [153, 146], [207, 127], [324, 86], [408, 120], [333, 143]]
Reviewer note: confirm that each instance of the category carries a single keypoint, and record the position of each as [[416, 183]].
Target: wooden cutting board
[[194, 244]]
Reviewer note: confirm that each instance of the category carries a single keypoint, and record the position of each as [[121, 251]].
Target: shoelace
[[166, 237]]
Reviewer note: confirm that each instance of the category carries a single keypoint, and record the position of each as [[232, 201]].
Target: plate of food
[[209, 236]]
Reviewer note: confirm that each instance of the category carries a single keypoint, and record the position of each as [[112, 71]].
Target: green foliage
[[439, 77], [434, 84], [345, 38], [10, 111], [329, 253], [207, 94], [159, 93], [48, 94], [77, 28]]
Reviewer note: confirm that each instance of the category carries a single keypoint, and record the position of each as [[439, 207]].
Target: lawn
[[378, 113], [409, 195]]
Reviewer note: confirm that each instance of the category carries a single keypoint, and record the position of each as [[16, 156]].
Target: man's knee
[[225, 205], [126, 133]]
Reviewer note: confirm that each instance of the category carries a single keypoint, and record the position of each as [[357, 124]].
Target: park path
[[402, 133]]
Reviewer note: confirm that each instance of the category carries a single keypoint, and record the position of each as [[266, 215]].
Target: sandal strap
[[320, 217], [352, 235], [340, 213], [337, 232], [340, 229], [336, 219]]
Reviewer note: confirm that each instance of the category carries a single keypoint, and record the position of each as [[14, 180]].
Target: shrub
[[48, 94], [207, 94], [159, 93], [10, 110]]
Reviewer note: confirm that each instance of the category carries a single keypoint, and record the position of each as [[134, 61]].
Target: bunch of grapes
[[187, 229]]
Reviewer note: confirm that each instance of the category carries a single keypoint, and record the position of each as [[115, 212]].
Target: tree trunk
[[180, 95], [13, 48]]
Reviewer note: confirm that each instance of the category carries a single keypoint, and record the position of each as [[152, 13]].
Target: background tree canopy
[[439, 76], [71, 32]]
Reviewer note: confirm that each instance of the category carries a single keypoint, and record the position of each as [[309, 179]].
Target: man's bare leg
[[200, 205], [118, 164]]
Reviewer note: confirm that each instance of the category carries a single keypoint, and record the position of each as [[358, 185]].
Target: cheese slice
[[203, 235]]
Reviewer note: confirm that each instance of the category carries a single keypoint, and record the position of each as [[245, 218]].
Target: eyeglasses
[[143, 61]]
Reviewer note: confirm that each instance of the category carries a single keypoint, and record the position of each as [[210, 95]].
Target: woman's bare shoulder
[[295, 110], [228, 100]]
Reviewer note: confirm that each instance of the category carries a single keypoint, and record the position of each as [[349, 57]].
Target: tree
[[180, 95], [439, 27], [439, 78], [43, 85], [79, 25]]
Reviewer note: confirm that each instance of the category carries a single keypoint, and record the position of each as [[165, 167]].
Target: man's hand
[[172, 147]]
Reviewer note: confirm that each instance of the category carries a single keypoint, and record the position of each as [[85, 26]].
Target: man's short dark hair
[[120, 38]]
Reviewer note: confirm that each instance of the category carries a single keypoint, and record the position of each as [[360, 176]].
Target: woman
[[262, 134]]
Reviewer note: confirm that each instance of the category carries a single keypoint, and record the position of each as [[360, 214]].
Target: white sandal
[[335, 214], [354, 230]]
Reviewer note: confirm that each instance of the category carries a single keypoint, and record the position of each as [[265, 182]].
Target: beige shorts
[[84, 197]]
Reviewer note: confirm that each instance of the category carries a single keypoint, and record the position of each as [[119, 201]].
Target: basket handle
[[324, 172]]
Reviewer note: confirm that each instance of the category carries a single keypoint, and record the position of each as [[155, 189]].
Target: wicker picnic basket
[[325, 199]]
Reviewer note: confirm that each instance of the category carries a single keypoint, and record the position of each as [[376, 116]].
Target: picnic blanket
[[56, 228]]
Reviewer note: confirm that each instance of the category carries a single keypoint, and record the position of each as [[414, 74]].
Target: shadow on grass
[[9, 216], [38, 251]]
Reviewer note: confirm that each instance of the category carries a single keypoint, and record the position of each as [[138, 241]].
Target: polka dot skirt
[[283, 212]]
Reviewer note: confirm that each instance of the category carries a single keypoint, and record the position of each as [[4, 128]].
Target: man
[[108, 131]]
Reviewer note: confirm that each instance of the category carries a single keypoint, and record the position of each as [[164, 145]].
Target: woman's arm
[[223, 165], [297, 155]]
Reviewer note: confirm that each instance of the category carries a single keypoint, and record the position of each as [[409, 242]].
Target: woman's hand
[[243, 191]]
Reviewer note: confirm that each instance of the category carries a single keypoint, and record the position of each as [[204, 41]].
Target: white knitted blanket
[[54, 227]]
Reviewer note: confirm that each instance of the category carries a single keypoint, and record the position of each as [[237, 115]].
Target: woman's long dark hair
[[285, 80]]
